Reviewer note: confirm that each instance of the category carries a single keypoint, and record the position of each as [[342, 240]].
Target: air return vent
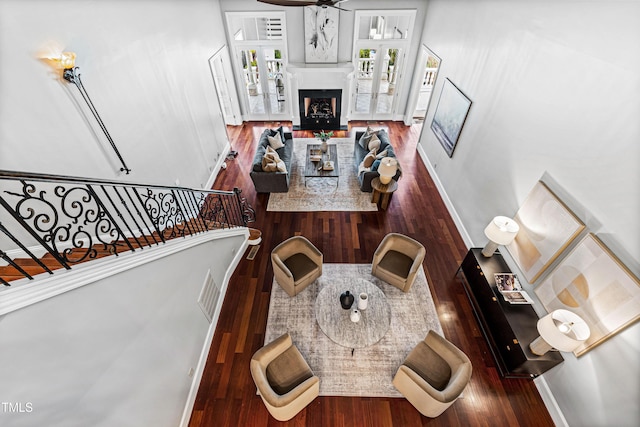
[[208, 299]]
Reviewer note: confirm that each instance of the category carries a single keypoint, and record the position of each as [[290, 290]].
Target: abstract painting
[[450, 116], [593, 283], [321, 34], [547, 227]]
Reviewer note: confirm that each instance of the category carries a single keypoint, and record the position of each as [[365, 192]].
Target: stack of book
[[510, 288]]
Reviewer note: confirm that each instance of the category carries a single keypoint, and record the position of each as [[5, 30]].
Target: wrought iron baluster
[[146, 210], [193, 215], [12, 263], [186, 223], [133, 218], [115, 224], [146, 230], [24, 249], [190, 195]]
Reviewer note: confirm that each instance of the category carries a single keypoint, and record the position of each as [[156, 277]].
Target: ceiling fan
[[320, 3]]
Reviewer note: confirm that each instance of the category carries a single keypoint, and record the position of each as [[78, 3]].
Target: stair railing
[[56, 221]]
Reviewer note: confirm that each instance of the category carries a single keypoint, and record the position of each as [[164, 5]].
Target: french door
[[262, 71], [378, 74]]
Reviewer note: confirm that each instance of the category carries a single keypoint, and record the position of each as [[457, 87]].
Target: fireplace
[[320, 109]]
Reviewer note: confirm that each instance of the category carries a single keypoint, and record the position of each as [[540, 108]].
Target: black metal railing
[[67, 220]]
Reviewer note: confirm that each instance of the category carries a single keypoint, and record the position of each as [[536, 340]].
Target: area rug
[[369, 371], [322, 194]]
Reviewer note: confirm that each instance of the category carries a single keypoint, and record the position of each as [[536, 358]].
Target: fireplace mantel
[[322, 76]]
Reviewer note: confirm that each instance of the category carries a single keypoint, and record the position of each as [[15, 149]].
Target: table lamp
[[500, 231], [560, 329], [387, 169]]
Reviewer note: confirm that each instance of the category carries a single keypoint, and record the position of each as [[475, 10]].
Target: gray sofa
[[365, 178], [272, 182]]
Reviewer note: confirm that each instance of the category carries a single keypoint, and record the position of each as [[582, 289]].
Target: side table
[[382, 192]]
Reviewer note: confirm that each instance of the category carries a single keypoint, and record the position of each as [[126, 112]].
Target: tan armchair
[[296, 264], [433, 375], [283, 378], [397, 260]]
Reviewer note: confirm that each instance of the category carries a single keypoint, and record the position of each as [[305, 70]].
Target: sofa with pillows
[[272, 163], [371, 146]]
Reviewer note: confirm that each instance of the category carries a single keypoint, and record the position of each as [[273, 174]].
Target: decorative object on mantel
[[346, 300], [71, 74], [500, 231], [321, 34], [560, 329], [324, 137], [451, 113], [594, 284], [547, 227]]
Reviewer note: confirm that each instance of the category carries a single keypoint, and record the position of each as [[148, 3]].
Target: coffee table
[[335, 321], [314, 170]]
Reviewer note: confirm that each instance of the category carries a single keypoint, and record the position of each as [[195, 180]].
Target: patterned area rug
[[369, 371], [322, 194]]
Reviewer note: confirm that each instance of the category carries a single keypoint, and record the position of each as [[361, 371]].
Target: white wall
[[555, 91], [113, 353], [146, 69]]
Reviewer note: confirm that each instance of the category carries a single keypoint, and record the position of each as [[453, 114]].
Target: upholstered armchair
[[433, 375], [283, 378], [296, 264], [397, 260]]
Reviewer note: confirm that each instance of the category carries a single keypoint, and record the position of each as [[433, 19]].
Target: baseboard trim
[[217, 167], [62, 281], [445, 198], [550, 402]]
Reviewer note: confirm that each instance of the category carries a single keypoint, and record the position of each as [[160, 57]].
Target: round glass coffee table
[[336, 323]]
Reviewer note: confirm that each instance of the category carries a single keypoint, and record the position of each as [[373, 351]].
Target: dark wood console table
[[508, 328]]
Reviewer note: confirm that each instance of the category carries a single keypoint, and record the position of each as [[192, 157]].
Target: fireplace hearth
[[320, 109]]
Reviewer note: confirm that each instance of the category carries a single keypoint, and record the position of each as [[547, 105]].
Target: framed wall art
[[547, 227], [593, 283], [451, 113], [321, 34]]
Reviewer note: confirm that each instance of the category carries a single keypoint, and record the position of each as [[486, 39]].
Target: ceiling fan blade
[[289, 2]]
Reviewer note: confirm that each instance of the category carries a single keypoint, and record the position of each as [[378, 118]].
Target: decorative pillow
[[369, 159], [366, 137], [375, 165], [381, 154], [280, 131], [275, 142], [270, 161], [374, 142]]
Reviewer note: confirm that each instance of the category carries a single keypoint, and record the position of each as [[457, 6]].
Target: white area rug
[[322, 194], [369, 372]]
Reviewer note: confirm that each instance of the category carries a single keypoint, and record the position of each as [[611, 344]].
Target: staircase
[[52, 222]]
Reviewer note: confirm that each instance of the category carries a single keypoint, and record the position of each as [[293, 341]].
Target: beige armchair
[[433, 375], [296, 264], [283, 378], [397, 260]]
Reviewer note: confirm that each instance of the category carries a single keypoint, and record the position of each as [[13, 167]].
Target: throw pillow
[[270, 160], [280, 131], [374, 142], [369, 159], [375, 165], [275, 142], [366, 137], [381, 154]]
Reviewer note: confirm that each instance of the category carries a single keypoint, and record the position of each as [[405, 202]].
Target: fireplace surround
[[320, 109]]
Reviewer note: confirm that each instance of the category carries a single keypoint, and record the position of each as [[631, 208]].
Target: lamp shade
[[563, 330], [387, 169], [67, 60], [502, 230]]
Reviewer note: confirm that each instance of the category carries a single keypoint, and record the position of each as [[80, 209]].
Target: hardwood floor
[[227, 395]]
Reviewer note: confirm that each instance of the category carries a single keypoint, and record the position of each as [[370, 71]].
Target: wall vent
[[208, 299]]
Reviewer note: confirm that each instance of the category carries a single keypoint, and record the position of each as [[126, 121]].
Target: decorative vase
[[346, 300], [324, 146], [363, 300], [355, 316]]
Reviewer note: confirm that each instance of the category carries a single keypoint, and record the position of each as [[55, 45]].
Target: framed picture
[[321, 34], [451, 113], [547, 227], [593, 283]]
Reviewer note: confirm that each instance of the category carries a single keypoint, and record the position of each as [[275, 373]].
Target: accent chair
[[296, 264], [433, 375], [397, 260], [284, 380]]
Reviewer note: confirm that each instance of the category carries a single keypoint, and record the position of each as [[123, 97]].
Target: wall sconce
[[387, 169], [560, 329], [500, 231], [71, 74]]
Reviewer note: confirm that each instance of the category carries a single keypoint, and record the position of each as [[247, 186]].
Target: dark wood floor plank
[[227, 395]]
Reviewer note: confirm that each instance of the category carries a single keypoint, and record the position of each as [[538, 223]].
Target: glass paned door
[[265, 89], [376, 79]]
